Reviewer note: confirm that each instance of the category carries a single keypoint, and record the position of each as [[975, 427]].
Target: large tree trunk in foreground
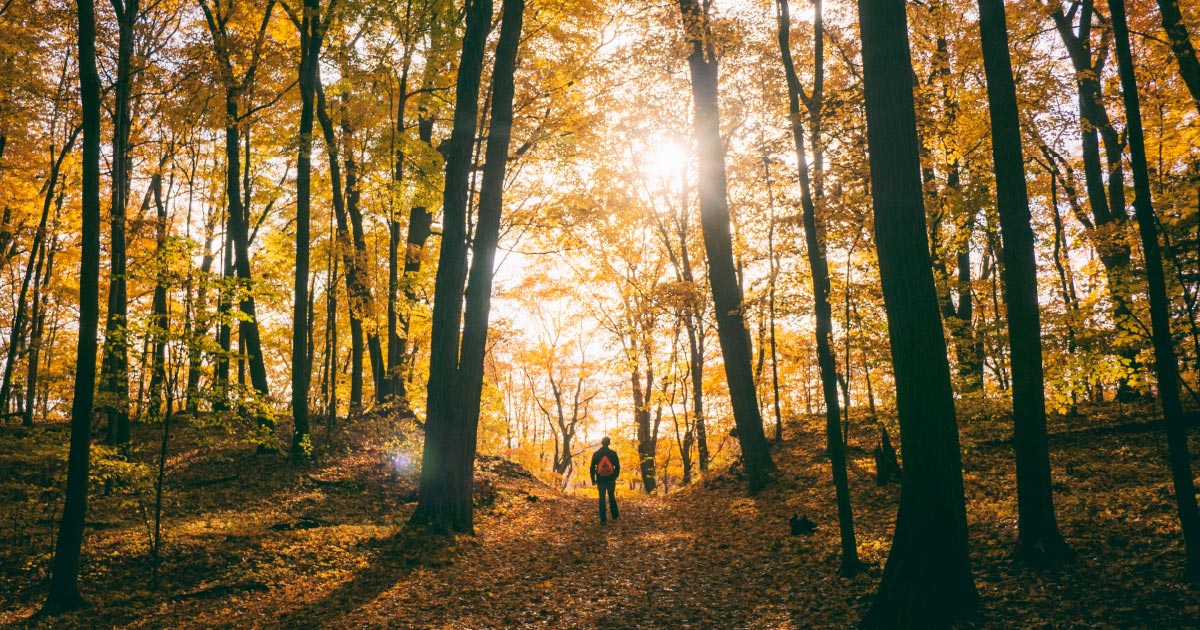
[[456, 381], [714, 219], [815, 243], [927, 581], [64, 572], [444, 496], [1038, 539], [1165, 362]]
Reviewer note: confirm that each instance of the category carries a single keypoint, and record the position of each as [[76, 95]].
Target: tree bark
[[1038, 539], [114, 373], [238, 230], [1181, 45], [714, 219], [311, 35], [927, 581], [64, 572], [815, 243], [37, 333], [1108, 206], [39, 238], [647, 442], [159, 322], [1165, 361], [456, 380]]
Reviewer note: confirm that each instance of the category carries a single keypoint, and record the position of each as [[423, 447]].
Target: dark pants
[[609, 487]]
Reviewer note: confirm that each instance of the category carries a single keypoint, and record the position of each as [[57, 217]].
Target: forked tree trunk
[[927, 581], [647, 444], [237, 262], [1107, 225], [1038, 539], [1160, 318], [456, 380], [723, 277]]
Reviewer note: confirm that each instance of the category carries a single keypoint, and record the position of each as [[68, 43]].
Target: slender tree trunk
[[420, 223], [238, 232], [1181, 45], [694, 323], [114, 374], [1106, 226], [159, 326], [1038, 539], [772, 280], [356, 287], [17, 333], [927, 581], [363, 300], [240, 237], [310, 53], [814, 241], [641, 415], [37, 333], [64, 572], [224, 309], [714, 218], [445, 492], [1166, 364]]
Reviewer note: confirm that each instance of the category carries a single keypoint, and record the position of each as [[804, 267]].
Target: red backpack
[[605, 467]]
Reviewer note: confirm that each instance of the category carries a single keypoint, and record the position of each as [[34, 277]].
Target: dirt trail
[[550, 563]]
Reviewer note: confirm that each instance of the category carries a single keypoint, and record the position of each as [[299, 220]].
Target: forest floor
[[261, 541]]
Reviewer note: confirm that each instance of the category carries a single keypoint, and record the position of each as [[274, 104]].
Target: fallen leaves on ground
[[261, 541]]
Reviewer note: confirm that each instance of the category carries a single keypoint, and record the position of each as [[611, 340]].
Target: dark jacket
[[612, 457]]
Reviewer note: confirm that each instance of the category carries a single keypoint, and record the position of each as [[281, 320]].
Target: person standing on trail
[[606, 466]]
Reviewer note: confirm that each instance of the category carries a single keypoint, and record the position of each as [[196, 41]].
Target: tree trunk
[[39, 237], [927, 581], [714, 218], [345, 248], [815, 243], [445, 494], [311, 34], [641, 416], [1165, 361], [114, 374], [1038, 539], [1181, 45], [1108, 207], [420, 223], [239, 234], [959, 319], [159, 324], [64, 572]]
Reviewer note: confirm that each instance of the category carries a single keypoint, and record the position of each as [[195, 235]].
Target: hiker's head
[[606, 441]]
